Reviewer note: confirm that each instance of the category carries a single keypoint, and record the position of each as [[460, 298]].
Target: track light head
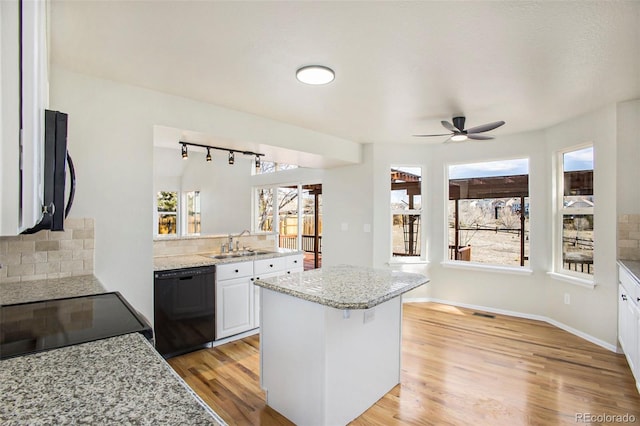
[[185, 154], [208, 155], [231, 157], [257, 161]]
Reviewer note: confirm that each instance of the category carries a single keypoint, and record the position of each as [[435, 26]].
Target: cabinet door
[[22, 129], [234, 306]]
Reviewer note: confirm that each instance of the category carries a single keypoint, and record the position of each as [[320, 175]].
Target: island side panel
[[362, 358], [293, 357]]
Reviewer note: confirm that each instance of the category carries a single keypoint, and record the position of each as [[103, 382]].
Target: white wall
[[111, 141], [225, 191], [628, 157], [347, 194]]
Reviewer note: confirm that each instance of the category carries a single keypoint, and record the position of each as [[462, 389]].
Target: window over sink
[[178, 213]]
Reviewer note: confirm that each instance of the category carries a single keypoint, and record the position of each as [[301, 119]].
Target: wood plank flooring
[[457, 368]]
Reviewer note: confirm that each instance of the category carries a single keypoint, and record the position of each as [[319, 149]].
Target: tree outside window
[[167, 213]]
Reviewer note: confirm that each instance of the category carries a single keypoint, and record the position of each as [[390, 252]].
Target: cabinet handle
[[295, 261], [271, 266], [288, 272], [237, 271], [624, 297]]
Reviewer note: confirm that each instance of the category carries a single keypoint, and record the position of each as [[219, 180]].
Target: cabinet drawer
[[265, 266], [234, 270], [629, 283], [294, 263]]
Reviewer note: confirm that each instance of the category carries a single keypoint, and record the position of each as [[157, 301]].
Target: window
[[176, 215], [406, 211], [264, 210], [294, 213], [272, 167], [575, 208], [167, 202], [192, 213], [488, 214]]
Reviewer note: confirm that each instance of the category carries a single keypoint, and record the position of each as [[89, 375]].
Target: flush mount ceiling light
[[458, 138], [315, 74]]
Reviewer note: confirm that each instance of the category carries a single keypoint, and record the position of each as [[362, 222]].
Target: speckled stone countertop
[[31, 291], [164, 263], [116, 381], [633, 266], [344, 286]]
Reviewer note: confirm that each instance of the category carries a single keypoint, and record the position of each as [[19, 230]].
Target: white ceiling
[[401, 67]]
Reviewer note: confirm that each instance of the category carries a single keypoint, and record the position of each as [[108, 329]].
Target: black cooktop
[[49, 324]]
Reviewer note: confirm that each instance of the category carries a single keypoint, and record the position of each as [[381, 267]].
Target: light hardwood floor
[[457, 368]]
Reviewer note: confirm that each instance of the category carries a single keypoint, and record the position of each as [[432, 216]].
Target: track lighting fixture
[[231, 152]]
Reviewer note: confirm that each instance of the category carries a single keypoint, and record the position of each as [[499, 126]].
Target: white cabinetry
[[267, 268], [629, 320], [23, 97], [234, 301], [238, 299]]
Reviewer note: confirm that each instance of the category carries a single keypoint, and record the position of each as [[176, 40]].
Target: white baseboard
[[548, 320]]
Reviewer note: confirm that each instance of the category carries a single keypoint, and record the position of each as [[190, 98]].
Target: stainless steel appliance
[[184, 309], [49, 324]]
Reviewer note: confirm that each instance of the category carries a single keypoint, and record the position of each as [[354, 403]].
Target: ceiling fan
[[458, 132]]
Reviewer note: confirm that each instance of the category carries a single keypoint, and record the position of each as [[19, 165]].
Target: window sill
[[407, 261], [572, 280], [487, 268]]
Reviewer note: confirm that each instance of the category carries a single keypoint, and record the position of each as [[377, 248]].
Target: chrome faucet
[[231, 237]]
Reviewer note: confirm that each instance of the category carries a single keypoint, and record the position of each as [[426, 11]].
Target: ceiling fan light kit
[[459, 133]]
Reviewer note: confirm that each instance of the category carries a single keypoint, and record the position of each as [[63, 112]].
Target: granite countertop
[[344, 286], [164, 263], [632, 266], [116, 381], [31, 291]]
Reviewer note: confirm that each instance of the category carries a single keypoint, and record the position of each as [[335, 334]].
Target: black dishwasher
[[184, 309]]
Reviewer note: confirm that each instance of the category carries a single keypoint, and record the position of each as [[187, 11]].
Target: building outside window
[[488, 212], [406, 212], [575, 212]]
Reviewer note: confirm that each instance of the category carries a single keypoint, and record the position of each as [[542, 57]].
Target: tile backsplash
[[629, 237], [47, 254], [209, 244]]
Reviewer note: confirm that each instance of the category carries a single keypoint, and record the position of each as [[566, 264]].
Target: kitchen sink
[[237, 254]]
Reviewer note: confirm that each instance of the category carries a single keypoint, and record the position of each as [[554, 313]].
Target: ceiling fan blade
[[426, 136], [479, 137], [485, 127], [448, 126]]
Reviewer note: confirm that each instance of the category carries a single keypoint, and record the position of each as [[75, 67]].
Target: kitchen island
[[330, 340]]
